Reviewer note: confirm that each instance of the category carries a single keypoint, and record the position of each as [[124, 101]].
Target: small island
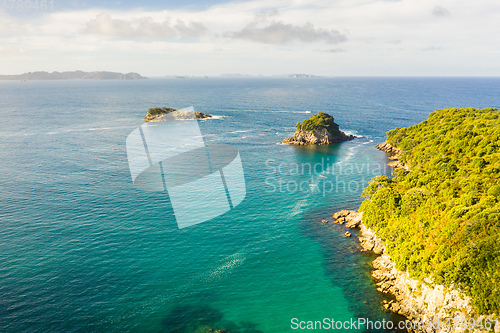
[[156, 114], [319, 129]]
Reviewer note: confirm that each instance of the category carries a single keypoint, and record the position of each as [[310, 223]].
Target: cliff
[[439, 219], [75, 75], [319, 129], [436, 220], [426, 302]]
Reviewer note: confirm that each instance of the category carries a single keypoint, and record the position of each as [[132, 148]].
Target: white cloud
[[278, 32], [8, 50], [143, 27], [432, 48], [440, 11], [336, 50], [262, 37]]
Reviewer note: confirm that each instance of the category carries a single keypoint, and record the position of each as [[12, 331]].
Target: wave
[[353, 132], [85, 130], [214, 118], [349, 155], [233, 132], [224, 267], [299, 207], [268, 111]]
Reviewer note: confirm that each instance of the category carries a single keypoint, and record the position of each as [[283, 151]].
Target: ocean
[[83, 250]]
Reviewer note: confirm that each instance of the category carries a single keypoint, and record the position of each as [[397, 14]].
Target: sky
[[256, 37]]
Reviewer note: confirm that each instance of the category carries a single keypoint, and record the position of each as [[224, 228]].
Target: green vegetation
[[157, 112], [318, 122], [442, 219]]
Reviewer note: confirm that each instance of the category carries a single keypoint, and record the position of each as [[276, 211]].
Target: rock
[[378, 248], [394, 155], [324, 221], [342, 213], [319, 129], [367, 238], [397, 164], [388, 149], [415, 300], [201, 115], [353, 220], [340, 220], [395, 307], [318, 137]]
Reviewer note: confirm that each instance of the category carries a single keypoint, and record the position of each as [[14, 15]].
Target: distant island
[[75, 75], [319, 129], [289, 76], [304, 76], [156, 114]]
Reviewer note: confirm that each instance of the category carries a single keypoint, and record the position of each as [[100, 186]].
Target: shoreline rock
[[394, 154], [415, 300], [351, 218], [318, 137], [177, 115]]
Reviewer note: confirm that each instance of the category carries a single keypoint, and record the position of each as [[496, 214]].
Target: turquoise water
[[82, 250]]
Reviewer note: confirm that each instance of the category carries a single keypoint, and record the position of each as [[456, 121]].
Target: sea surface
[[82, 250]]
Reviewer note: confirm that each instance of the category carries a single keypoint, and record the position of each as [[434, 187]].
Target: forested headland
[[441, 218]]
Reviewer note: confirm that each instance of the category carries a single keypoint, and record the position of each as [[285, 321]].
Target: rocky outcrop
[[392, 151], [394, 154], [351, 218], [201, 115], [424, 302], [176, 115], [369, 240], [318, 137]]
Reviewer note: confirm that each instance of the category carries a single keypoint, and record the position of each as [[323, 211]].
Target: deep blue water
[[82, 250]]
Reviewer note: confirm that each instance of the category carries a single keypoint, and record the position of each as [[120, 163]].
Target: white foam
[[214, 118], [224, 267], [298, 208], [233, 132]]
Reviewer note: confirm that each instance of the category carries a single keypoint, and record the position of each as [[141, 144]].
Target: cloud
[[277, 32], [440, 11], [432, 48], [395, 41], [143, 27], [336, 50], [7, 50]]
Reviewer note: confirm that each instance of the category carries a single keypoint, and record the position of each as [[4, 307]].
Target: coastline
[[394, 154], [418, 301]]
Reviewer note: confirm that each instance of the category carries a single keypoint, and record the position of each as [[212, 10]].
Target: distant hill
[[75, 75]]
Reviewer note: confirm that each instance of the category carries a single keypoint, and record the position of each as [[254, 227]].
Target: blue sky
[[321, 37], [128, 4]]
